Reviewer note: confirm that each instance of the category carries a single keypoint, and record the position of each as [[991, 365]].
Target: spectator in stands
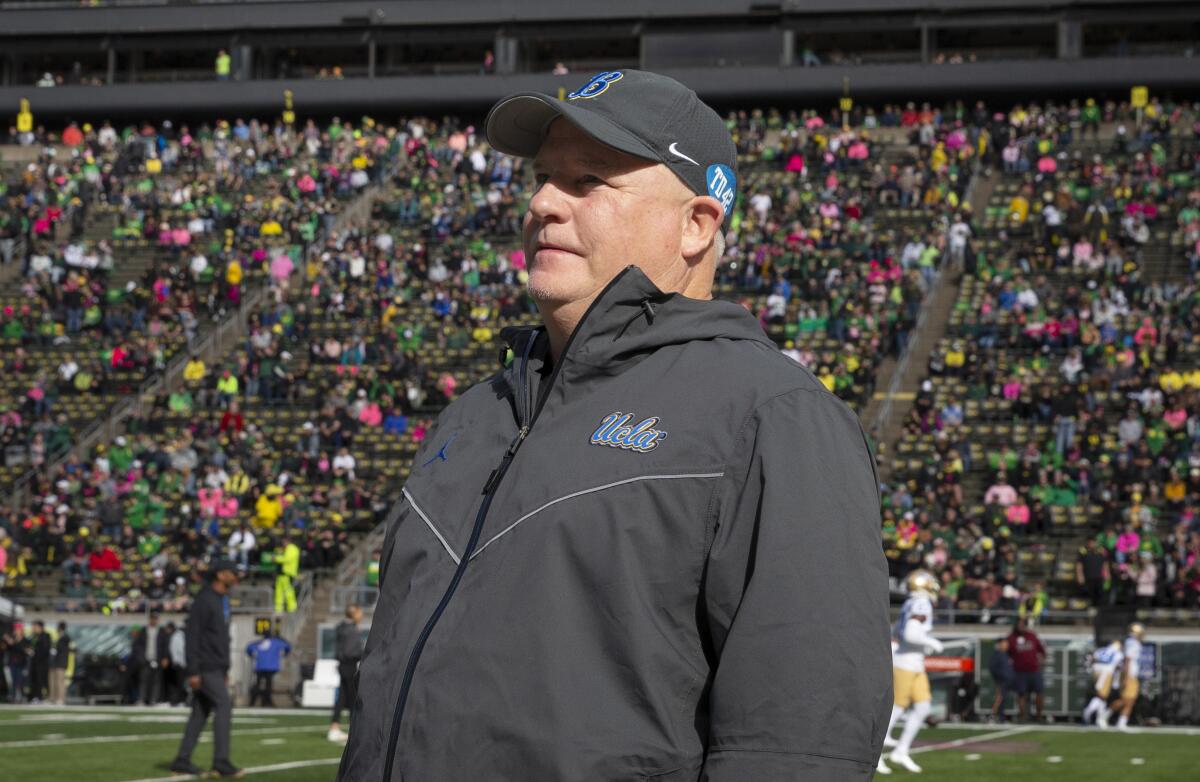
[[222, 65], [242, 542]]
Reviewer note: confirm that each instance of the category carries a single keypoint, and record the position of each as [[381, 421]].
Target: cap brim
[[518, 124]]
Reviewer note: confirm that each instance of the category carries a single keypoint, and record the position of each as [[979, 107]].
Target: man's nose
[[548, 204]]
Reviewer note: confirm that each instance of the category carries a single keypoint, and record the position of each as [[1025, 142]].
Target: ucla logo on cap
[[618, 431], [598, 84], [722, 185]]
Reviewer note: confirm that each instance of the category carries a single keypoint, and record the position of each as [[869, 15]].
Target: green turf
[[1083, 756], [138, 743], [122, 745]]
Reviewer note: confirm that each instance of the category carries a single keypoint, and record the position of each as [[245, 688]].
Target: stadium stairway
[[900, 379]]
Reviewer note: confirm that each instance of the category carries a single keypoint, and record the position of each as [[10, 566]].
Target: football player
[[1129, 676], [912, 640], [1106, 666]]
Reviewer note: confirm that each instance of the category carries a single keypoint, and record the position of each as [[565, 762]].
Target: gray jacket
[[659, 560]]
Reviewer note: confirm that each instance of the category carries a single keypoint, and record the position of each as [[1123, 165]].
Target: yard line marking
[[1165, 730], [158, 707], [172, 735], [972, 740], [254, 770], [33, 719]]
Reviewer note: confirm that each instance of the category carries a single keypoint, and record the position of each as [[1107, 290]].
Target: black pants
[[348, 691], [212, 698], [172, 687], [261, 691], [39, 679], [149, 684]]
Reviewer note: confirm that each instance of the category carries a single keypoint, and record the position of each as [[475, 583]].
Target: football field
[[40, 744]]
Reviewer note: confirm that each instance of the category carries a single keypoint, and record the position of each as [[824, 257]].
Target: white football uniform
[[909, 655], [1106, 667], [1133, 653]]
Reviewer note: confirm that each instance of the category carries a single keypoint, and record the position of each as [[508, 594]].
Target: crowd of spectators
[[1081, 366], [191, 219], [305, 429]]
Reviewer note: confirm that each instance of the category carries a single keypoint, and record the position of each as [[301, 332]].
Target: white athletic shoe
[[903, 759], [338, 736], [890, 742], [881, 767]]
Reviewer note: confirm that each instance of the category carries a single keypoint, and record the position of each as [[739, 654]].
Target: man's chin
[[550, 289]]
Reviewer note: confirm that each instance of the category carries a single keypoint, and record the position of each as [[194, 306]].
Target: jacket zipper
[[489, 491]]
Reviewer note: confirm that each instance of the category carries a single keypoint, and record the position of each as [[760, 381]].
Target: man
[[288, 560], [59, 662], [650, 545], [17, 659], [1027, 654], [177, 659], [172, 684], [147, 657], [39, 663], [207, 655], [913, 639], [349, 651], [1106, 665], [1091, 572], [267, 653], [1129, 676], [1003, 677]]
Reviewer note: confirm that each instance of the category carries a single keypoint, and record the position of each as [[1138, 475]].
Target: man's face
[[595, 211]]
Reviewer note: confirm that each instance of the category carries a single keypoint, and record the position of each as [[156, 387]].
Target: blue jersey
[[268, 654]]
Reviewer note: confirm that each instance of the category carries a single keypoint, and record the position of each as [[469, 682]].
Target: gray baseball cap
[[644, 114]]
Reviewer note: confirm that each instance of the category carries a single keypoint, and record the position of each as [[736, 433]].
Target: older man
[[649, 546]]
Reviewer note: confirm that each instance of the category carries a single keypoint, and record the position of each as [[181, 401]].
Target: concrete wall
[[729, 86]]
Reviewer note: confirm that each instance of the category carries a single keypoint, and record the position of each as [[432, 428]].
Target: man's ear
[[703, 218]]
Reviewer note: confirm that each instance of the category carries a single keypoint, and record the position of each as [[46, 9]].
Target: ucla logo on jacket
[[596, 85], [617, 430]]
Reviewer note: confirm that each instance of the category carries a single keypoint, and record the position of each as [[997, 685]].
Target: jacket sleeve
[[796, 600], [194, 630]]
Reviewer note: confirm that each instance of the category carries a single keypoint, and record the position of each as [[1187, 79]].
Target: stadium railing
[[1062, 617]]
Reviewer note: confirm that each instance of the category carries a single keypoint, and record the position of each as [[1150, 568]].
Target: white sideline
[[972, 740], [254, 770], [118, 708], [171, 735], [1071, 727]]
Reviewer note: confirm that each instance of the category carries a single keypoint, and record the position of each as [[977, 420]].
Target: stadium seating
[[835, 243]]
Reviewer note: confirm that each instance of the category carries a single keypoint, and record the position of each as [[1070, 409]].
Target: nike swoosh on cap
[[677, 153]]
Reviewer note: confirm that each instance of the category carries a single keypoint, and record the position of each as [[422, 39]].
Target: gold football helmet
[[924, 582], [1137, 630]]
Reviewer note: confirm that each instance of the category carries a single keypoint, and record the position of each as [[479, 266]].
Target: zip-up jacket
[[207, 633], [657, 559]]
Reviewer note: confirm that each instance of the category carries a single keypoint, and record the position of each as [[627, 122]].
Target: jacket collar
[[629, 320]]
